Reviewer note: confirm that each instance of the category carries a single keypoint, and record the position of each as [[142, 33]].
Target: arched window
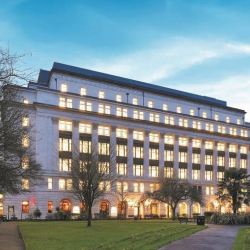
[[122, 208], [183, 209], [104, 208], [196, 208], [210, 207], [65, 205], [83, 208]]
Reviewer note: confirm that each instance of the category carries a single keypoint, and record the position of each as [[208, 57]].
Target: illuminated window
[[165, 106], [178, 109], [183, 141], [204, 114], [138, 170], [104, 167], [196, 174], [169, 120], [168, 155], [150, 104], [138, 152], [221, 161], [168, 172], [62, 184], [243, 150], [182, 173], [25, 207], [25, 101], [227, 119], [122, 186], [208, 175], [136, 187], [216, 117], [118, 98], [183, 157], [65, 164], [183, 122], [135, 101], [25, 121], [83, 91], [209, 127], [85, 128], [222, 129], [25, 183], [103, 130], [50, 183], [192, 112], [243, 133], [103, 148], [65, 144], [25, 162], [209, 145], [233, 131], [243, 163], [209, 190], [138, 114], [104, 109], [85, 147], [50, 206], [65, 125], [232, 162], [153, 137], [101, 94], [154, 117], [196, 143], [64, 87], [121, 150], [169, 139], [65, 102], [220, 176], [86, 106], [138, 135], [151, 188], [208, 159], [121, 168], [153, 171], [122, 133], [196, 125], [238, 121], [25, 141], [122, 111], [221, 146], [153, 154], [196, 158], [232, 148]]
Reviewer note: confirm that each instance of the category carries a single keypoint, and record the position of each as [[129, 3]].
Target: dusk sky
[[201, 47]]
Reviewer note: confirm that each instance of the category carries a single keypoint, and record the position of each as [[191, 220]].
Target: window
[[243, 133], [232, 148], [183, 157], [221, 161], [138, 114], [121, 150], [222, 129], [216, 117], [121, 168], [208, 175], [221, 146], [138, 135], [153, 137], [168, 172], [183, 122], [209, 145], [83, 91], [25, 141], [65, 125], [65, 184], [25, 101], [50, 206], [196, 143], [138, 170], [25, 121], [153, 171], [65, 144], [150, 104], [64, 87], [135, 101], [196, 174], [220, 176], [138, 152], [25, 162], [243, 163], [86, 106], [101, 94], [65, 164], [104, 109], [204, 114], [153, 154], [154, 117], [208, 159], [105, 185], [227, 119], [85, 128], [169, 139], [178, 109], [104, 167], [122, 186], [50, 183], [139, 187], [25, 207], [118, 98], [210, 127], [85, 147], [233, 131], [196, 158], [103, 130], [243, 150], [122, 133], [151, 188], [182, 173], [25, 183], [103, 148], [183, 141], [169, 120], [136, 187], [209, 190], [238, 121], [65, 102], [122, 111], [168, 155], [192, 112], [232, 162], [165, 106], [196, 125]]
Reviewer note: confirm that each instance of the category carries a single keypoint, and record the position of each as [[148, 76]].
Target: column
[[176, 154], [227, 156], [161, 153], [94, 141], [130, 152], [215, 160], [238, 157], [248, 159], [75, 139], [189, 153], [203, 153], [113, 150], [55, 145], [146, 153]]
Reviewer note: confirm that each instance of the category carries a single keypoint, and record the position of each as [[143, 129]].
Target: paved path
[[215, 237], [10, 237]]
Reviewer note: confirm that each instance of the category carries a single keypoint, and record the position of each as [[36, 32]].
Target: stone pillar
[[189, 153], [161, 153], [238, 157], [176, 155], [146, 153], [75, 139], [113, 149], [227, 156], [94, 140], [55, 145], [215, 165], [203, 153], [130, 152]]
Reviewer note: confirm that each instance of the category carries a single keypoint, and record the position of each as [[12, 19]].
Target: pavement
[[215, 237], [10, 237]]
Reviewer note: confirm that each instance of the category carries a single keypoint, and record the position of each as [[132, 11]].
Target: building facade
[[153, 129]]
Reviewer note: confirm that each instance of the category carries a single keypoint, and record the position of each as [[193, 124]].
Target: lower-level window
[[182, 173], [196, 174], [208, 175], [65, 184], [168, 172], [220, 176], [153, 171], [50, 206], [25, 207], [121, 168], [138, 170]]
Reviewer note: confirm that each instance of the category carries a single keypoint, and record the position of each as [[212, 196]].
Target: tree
[[18, 167], [174, 190], [91, 179], [234, 188]]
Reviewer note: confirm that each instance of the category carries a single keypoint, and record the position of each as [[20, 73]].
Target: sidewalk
[[215, 237], [10, 238]]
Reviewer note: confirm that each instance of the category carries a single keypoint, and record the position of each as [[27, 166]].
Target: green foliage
[[208, 214], [230, 219], [37, 213], [242, 240]]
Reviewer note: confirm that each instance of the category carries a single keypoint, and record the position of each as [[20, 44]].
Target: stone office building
[[153, 129]]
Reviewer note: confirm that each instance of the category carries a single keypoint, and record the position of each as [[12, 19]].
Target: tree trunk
[[234, 197], [173, 211], [89, 215]]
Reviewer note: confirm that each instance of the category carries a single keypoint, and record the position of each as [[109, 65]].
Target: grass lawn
[[110, 234], [242, 240]]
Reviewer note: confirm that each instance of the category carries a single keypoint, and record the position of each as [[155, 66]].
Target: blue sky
[[196, 46]]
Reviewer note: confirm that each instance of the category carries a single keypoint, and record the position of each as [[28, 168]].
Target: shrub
[[50, 216], [208, 214], [37, 213], [230, 219]]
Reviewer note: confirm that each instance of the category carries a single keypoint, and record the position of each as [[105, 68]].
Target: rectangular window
[[138, 152], [25, 141], [141, 187], [243, 150], [169, 120], [243, 163], [25, 101], [216, 117], [50, 183], [182, 173], [183, 157], [86, 106], [196, 158], [221, 146], [154, 117], [169, 139], [104, 109], [122, 111], [138, 135], [136, 187], [192, 112], [209, 190], [85, 147], [150, 104], [168, 155], [104, 167], [243, 133], [183, 141], [153, 154], [208, 159], [118, 98], [122, 133], [65, 144], [220, 176], [209, 145], [210, 127], [153, 137], [227, 119], [153, 171], [165, 107], [232, 148], [65, 102], [222, 129], [85, 128], [221, 161], [62, 184], [64, 87], [232, 131], [121, 168], [65, 125], [103, 130], [168, 172], [183, 122], [204, 114], [101, 94], [83, 91], [138, 170], [25, 121], [121, 150], [50, 206], [135, 101], [196, 174], [232, 162], [138, 114], [196, 143], [178, 109], [208, 175], [103, 148], [25, 207], [65, 164], [25, 162], [238, 121], [25, 183], [196, 125]]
